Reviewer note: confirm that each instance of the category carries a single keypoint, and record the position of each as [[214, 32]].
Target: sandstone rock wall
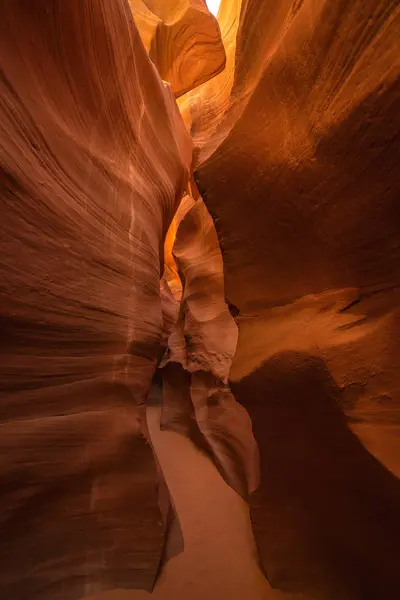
[[94, 158], [293, 108], [298, 168]]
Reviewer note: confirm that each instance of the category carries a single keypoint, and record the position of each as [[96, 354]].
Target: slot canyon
[[200, 299]]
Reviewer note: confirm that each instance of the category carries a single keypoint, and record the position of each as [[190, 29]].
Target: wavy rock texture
[[204, 108], [196, 399], [205, 339], [183, 40], [297, 147], [94, 159], [296, 154]]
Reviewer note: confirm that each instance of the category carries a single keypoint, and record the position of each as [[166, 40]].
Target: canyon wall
[[94, 160], [251, 287], [297, 147]]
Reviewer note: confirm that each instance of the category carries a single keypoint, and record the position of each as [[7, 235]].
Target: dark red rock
[[325, 516], [297, 145], [94, 159]]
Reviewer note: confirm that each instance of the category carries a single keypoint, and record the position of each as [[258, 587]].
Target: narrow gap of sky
[[213, 6]]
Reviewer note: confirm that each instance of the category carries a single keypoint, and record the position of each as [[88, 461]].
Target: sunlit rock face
[[196, 399], [183, 40], [297, 145], [118, 271], [94, 159]]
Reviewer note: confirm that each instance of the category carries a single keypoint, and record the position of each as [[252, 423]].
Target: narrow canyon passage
[[199, 299], [219, 558]]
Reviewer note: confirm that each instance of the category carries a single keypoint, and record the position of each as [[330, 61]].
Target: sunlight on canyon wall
[[200, 217]]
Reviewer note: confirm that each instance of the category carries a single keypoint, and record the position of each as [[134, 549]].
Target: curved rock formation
[[114, 265], [183, 40], [196, 399], [325, 516], [296, 161], [94, 159]]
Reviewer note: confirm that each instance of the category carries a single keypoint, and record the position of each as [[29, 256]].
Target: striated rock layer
[[196, 399], [183, 40], [297, 148], [293, 107], [94, 158]]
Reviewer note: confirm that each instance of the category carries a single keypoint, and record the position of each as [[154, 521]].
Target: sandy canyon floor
[[219, 560]]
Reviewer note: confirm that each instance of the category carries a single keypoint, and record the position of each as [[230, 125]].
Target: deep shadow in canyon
[[327, 512]]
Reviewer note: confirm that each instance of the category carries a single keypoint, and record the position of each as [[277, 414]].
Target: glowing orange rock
[[196, 398], [183, 40], [296, 147], [94, 160]]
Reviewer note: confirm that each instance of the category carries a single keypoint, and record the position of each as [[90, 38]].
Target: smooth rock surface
[[94, 159], [183, 40], [113, 264], [297, 146], [196, 399], [219, 559]]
